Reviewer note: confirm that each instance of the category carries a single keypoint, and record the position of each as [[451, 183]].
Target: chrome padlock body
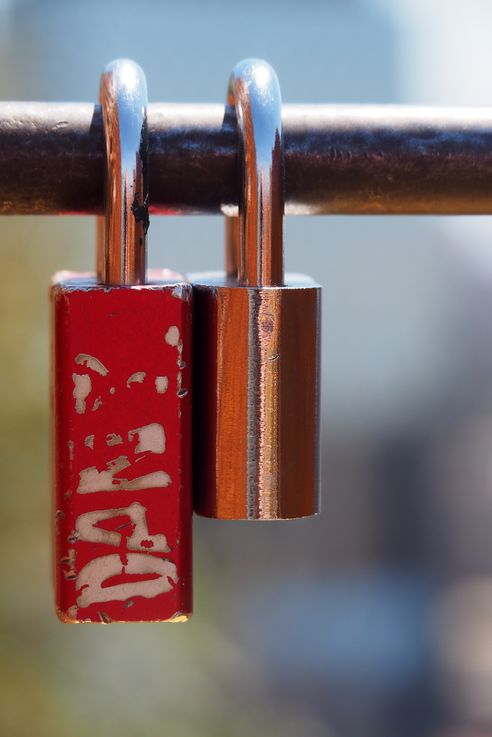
[[256, 398], [256, 341]]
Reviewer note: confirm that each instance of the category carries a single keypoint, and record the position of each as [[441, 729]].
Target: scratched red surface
[[122, 430]]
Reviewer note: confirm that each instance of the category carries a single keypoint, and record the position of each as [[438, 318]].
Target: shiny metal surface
[[254, 93], [256, 354], [338, 159], [256, 398], [231, 233], [122, 231]]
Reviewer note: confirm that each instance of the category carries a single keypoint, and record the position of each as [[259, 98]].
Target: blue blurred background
[[375, 619]]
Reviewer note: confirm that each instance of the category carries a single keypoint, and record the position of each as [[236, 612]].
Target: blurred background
[[375, 619]]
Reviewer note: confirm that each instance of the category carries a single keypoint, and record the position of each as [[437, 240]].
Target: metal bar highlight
[[339, 159]]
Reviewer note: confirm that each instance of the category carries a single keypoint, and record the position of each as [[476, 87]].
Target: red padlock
[[122, 402]]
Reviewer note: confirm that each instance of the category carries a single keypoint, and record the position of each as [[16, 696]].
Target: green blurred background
[[375, 619]]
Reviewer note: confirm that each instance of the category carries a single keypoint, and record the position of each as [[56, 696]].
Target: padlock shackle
[[122, 232], [231, 232], [254, 92]]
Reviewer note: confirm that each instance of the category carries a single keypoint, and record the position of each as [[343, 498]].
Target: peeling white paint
[[150, 438], [91, 578], [89, 441], [92, 480], [97, 404], [172, 336], [70, 561], [180, 292], [112, 390], [84, 359], [138, 540], [154, 480], [113, 439], [137, 377], [161, 384], [82, 389]]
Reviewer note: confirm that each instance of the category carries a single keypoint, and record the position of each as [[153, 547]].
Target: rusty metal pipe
[[338, 159]]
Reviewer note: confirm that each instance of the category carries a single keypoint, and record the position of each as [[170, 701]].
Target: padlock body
[[256, 398], [122, 450]]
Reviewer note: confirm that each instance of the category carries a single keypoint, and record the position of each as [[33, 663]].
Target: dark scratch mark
[[105, 618], [141, 211]]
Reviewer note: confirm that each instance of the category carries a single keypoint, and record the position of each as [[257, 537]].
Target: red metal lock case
[[122, 405]]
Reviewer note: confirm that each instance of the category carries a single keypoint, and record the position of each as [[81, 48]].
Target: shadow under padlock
[[256, 340]]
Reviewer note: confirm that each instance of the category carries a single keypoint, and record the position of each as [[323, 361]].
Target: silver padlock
[[256, 350]]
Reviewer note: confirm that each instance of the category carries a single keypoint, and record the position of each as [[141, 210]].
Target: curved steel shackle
[[122, 231], [254, 92]]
